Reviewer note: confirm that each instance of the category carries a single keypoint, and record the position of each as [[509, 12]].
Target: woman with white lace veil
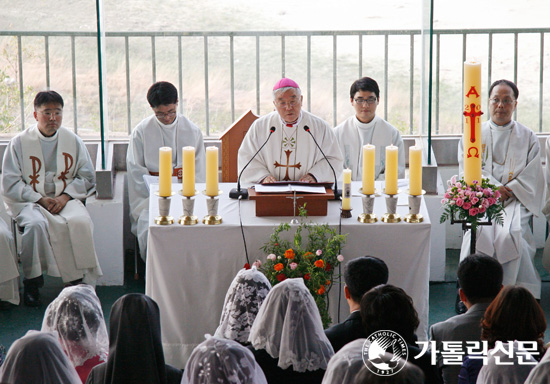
[[344, 366], [242, 302], [223, 361], [287, 337], [77, 317], [37, 358]]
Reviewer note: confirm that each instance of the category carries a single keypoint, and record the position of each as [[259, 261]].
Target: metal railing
[[285, 36]]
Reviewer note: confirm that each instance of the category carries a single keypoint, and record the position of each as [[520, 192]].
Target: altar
[[190, 268]]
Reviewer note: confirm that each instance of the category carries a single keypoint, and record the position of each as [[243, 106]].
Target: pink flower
[[319, 252], [271, 256], [340, 258], [473, 211], [485, 203], [453, 179], [257, 264], [487, 192], [466, 206], [497, 194], [459, 202], [474, 200], [482, 210], [293, 266], [447, 195]]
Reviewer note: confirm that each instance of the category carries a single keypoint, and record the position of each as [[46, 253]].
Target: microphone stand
[[337, 193], [235, 193]]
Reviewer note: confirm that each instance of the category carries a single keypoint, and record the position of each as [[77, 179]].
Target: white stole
[[34, 167]]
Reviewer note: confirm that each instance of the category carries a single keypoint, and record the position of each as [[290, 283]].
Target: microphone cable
[[242, 231]]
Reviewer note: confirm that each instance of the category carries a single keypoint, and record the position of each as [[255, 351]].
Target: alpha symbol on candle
[[472, 91], [475, 155], [287, 166], [472, 115]]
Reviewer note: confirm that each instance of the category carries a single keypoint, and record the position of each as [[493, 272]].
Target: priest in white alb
[[164, 128], [46, 174], [290, 153], [365, 127], [511, 160]]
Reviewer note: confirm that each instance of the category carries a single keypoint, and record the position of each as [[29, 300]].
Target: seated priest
[[511, 160], [46, 175], [164, 128], [291, 154], [365, 127]]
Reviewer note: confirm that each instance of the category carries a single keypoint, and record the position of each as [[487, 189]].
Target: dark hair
[[389, 307], [409, 374], [480, 277], [364, 273], [508, 83], [162, 93], [365, 84], [46, 97], [514, 315]]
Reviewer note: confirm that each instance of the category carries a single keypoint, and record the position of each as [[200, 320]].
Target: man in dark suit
[[360, 275], [480, 280]]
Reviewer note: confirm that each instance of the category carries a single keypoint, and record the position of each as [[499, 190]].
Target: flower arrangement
[[472, 203], [313, 254]]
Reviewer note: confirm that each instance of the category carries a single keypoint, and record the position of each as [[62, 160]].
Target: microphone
[[235, 193], [337, 193]]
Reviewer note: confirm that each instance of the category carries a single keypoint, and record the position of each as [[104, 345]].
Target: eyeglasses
[[49, 114], [505, 102], [165, 115], [369, 101], [291, 104]]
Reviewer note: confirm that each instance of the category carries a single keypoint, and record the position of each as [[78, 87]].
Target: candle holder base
[[391, 218], [345, 213], [413, 218], [212, 220], [367, 218], [164, 220], [188, 220]]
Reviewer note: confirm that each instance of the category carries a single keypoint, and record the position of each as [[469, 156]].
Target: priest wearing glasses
[[291, 153], [365, 127], [511, 160]]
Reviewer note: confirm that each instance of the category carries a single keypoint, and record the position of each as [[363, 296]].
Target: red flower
[[328, 267], [247, 266], [281, 277], [278, 267], [319, 263], [289, 254], [327, 282], [321, 290], [307, 276]]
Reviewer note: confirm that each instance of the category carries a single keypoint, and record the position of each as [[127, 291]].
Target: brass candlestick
[[414, 208], [212, 218], [188, 207], [367, 217], [164, 217], [391, 206]]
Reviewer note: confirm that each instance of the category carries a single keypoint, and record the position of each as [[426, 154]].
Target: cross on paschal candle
[[287, 165], [472, 115]]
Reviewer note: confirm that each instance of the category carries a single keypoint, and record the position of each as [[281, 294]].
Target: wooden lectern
[[282, 204], [231, 140]]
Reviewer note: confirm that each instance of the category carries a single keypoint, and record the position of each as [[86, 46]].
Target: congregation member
[[77, 317], [511, 158], [135, 345], [513, 317], [365, 127], [164, 128], [242, 303], [9, 274], [287, 337], [47, 173], [222, 361], [37, 358], [546, 208], [360, 275], [291, 153], [409, 374], [345, 365], [387, 307], [480, 279], [540, 374]]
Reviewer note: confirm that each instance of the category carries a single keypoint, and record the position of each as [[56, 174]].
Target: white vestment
[[353, 134], [546, 208], [36, 166], [511, 157], [291, 152], [9, 275], [143, 159]]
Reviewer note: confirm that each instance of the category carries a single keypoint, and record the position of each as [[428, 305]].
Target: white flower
[[340, 258]]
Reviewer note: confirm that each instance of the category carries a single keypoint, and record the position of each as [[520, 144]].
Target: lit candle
[[346, 191], [472, 124], [415, 171], [369, 161], [212, 171], [188, 169], [391, 170], [165, 171]]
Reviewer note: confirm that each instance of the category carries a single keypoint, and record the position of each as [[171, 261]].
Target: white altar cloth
[[190, 268]]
